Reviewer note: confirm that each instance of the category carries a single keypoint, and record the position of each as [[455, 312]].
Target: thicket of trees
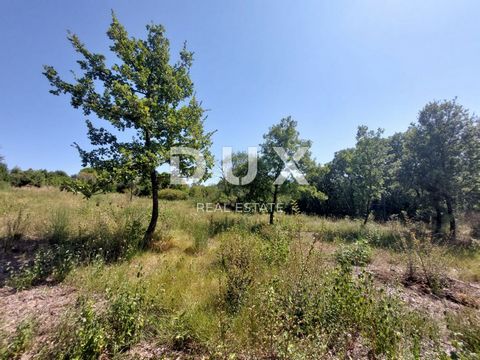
[[37, 178], [431, 172]]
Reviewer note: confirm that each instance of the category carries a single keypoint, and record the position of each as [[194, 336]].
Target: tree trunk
[[274, 206], [451, 216], [367, 212], [147, 239], [438, 221]]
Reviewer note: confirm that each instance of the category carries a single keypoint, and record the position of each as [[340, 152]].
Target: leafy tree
[[286, 136], [257, 190], [443, 157], [339, 185], [144, 95], [368, 167], [3, 170], [29, 177]]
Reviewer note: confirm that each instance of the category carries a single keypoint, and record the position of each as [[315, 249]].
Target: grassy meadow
[[227, 286]]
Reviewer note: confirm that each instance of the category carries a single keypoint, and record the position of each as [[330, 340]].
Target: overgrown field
[[224, 285]]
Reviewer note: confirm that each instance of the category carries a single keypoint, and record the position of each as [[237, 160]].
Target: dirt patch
[[44, 305]]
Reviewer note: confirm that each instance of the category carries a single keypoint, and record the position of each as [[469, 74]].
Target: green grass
[[220, 285]]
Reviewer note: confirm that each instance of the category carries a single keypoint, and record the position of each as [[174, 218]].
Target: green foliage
[[125, 318], [18, 342], [143, 93], [36, 178], [51, 264], [356, 254], [305, 314], [368, 168], [442, 160], [89, 333], [84, 187], [200, 232], [4, 175], [286, 136], [58, 228], [172, 194], [276, 243], [465, 327], [101, 241], [239, 260]]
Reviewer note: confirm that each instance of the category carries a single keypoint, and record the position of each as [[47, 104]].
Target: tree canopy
[[143, 94]]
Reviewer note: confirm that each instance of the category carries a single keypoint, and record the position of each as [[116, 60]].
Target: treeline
[[35, 178], [431, 172]]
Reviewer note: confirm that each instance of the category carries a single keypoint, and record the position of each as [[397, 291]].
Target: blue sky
[[332, 65]]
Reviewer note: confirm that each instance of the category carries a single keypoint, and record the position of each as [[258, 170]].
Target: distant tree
[[144, 95], [3, 169], [368, 167], [339, 185], [258, 190], [286, 136], [443, 157], [29, 177]]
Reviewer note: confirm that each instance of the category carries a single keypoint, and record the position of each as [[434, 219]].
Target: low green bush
[[240, 260], [15, 345], [356, 254], [300, 314], [118, 240], [90, 332], [172, 194]]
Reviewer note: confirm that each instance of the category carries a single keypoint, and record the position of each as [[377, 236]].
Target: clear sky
[[332, 65]]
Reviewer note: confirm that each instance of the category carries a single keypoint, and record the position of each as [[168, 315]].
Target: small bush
[[239, 257], [427, 264], [125, 318], [18, 342], [276, 243], [84, 338], [48, 264], [89, 332], [172, 194], [110, 242], [302, 314], [356, 254]]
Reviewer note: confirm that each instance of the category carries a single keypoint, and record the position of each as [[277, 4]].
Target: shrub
[[427, 264], [84, 337], [276, 243], [356, 254], [172, 194], [48, 264], [307, 310], [125, 318], [19, 342], [89, 332], [239, 258], [112, 239]]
